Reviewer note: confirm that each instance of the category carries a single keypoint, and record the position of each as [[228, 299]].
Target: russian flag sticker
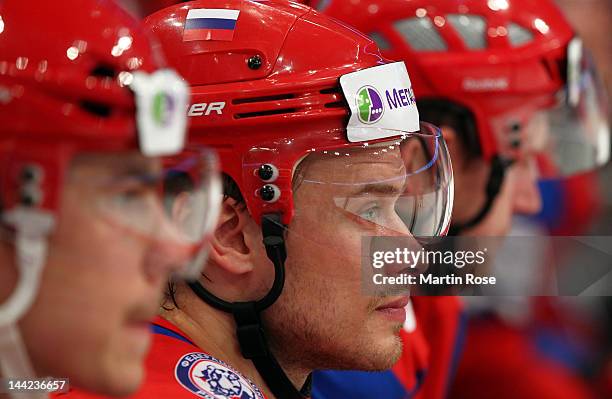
[[210, 24]]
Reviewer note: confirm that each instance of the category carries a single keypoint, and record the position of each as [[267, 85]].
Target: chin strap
[[496, 179], [32, 228], [249, 327]]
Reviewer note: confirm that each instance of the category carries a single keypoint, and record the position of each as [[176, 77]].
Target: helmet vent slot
[[518, 35], [336, 104], [380, 40], [103, 71], [337, 91], [420, 34], [285, 96], [98, 109], [265, 113], [331, 90], [471, 28]]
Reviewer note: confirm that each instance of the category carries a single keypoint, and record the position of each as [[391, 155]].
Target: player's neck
[[214, 332], [294, 370]]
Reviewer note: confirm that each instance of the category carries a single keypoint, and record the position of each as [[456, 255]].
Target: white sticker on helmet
[[382, 102], [161, 100]]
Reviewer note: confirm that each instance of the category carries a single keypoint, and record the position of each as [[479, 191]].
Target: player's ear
[[230, 243], [458, 153], [455, 147]]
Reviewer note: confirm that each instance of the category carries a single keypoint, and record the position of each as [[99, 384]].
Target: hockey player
[[87, 111], [516, 100]]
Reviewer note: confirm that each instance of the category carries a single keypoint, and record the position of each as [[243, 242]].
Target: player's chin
[[110, 375], [124, 370], [385, 359], [124, 379], [393, 347], [383, 351]]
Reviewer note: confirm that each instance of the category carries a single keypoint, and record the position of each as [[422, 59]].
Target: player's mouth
[[394, 310], [138, 327]]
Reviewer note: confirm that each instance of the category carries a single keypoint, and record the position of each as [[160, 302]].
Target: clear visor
[[579, 126], [571, 137], [173, 204], [402, 187]]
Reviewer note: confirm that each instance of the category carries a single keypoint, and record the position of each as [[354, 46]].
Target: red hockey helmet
[[95, 85], [514, 64], [150, 6], [268, 95]]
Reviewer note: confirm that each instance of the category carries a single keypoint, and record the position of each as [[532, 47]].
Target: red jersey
[[176, 368]]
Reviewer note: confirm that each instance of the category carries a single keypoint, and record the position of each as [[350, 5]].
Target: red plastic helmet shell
[[491, 80], [270, 95], [151, 6], [62, 66]]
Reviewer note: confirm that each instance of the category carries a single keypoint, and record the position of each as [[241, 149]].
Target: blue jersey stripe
[[361, 385], [157, 329], [460, 338]]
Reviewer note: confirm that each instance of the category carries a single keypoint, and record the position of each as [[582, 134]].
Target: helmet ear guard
[[32, 176], [30, 195], [267, 184]]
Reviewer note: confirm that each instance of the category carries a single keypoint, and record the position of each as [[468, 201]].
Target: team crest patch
[[212, 378]]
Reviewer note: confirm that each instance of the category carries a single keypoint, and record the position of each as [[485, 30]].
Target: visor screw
[[31, 174], [30, 197], [269, 193], [267, 172], [515, 143], [515, 127], [255, 62]]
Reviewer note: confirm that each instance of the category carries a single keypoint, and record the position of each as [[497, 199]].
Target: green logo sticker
[[369, 104], [163, 108]]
